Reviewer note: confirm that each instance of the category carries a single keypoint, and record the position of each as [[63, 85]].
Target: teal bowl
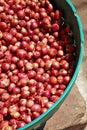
[[73, 19]]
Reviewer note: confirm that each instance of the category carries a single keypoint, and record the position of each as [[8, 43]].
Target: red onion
[[13, 31], [3, 48], [62, 72], [49, 104], [19, 35], [12, 66], [66, 79], [13, 108], [32, 82], [1, 9], [15, 72], [22, 109], [21, 53], [23, 82], [13, 122], [11, 87], [1, 117], [1, 104], [15, 114], [40, 85], [20, 124], [25, 45], [54, 72], [24, 31], [21, 14], [59, 92], [2, 91], [5, 96], [23, 102], [4, 82], [29, 55], [34, 25], [4, 111], [52, 52], [7, 36], [3, 26], [55, 27], [47, 93], [22, 23], [64, 64], [1, 54], [60, 79], [35, 38], [7, 127], [35, 66], [32, 89], [40, 71], [27, 11], [35, 115], [62, 86], [16, 90], [36, 108], [56, 86], [4, 124], [44, 109], [25, 88], [1, 35], [20, 64], [56, 34], [46, 22], [60, 53], [5, 66], [29, 66], [15, 59], [25, 94], [54, 98], [45, 50], [13, 49], [53, 80], [51, 39], [14, 78], [27, 119], [31, 47], [22, 75], [30, 103]]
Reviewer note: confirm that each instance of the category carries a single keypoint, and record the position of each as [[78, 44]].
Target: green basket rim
[[67, 90]]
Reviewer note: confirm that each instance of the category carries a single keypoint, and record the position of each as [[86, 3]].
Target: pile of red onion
[[37, 57]]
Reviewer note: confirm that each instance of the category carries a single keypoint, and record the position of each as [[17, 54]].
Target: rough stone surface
[[85, 128], [70, 114]]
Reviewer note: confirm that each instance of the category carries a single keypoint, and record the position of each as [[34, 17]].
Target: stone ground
[[72, 115]]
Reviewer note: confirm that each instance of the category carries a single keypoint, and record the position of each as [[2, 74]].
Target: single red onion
[[5, 97], [20, 124], [21, 14], [28, 119], [36, 108], [30, 103]]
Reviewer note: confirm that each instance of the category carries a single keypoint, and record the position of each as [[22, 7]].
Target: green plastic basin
[[73, 19]]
